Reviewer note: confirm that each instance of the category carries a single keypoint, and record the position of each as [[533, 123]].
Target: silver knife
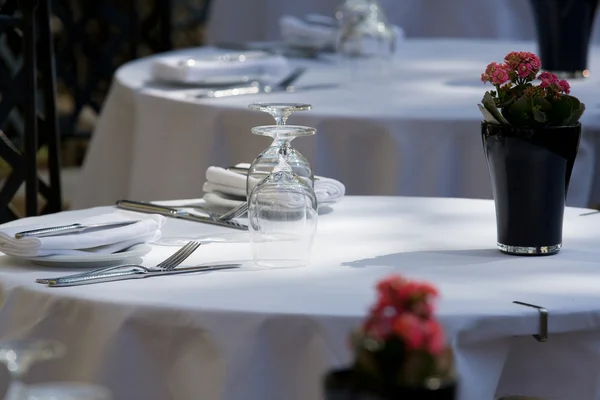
[[144, 207], [137, 272], [72, 228]]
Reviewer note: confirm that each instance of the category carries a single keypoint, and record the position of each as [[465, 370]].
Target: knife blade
[[173, 212], [133, 273], [72, 228]]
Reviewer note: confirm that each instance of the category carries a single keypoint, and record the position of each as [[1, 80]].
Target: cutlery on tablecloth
[[590, 213], [70, 229], [235, 212], [134, 273], [174, 212], [256, 87], [166, 265]]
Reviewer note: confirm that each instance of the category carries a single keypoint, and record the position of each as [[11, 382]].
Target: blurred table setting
[[414, 125], [501, 20]]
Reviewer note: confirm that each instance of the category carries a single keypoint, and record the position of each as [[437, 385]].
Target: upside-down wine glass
[[282, 210], [366, 41], [268, 159], [19, 355]]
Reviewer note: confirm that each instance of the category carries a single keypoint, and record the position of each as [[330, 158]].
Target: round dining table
[[414, 131], [254, 334]]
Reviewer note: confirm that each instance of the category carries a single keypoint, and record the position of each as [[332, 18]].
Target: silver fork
[[236, 212], [167, 265]]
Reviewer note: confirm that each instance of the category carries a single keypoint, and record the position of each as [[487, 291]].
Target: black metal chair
[[28, 117], [96, 37]]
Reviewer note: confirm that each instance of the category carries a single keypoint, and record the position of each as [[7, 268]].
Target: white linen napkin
[[299, 32], [101, 241], [219, 67], [224, 188]]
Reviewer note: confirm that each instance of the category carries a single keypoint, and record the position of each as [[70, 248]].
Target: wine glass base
[[67, 391]]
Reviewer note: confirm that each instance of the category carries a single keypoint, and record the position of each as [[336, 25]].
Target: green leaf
[[520, 113], [490, 105], [487, 116], [544, 104], [540, 116], [562, 109], [576, 115]]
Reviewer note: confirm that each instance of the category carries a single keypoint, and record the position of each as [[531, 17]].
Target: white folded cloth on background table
[[225, 188], [306, 33], [105, 241], [186, 69]]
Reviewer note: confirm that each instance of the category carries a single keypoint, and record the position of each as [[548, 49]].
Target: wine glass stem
[[281, 119], [284, 146]]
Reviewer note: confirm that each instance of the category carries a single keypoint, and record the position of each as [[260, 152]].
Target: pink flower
[[521, 61], [564, 86], [435, 337], [548, 79], [524, 70], [500, 76], [495, 73], [410, 329]]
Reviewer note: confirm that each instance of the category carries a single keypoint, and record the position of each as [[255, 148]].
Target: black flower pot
[[530, 171], [345, 385], [564, 29]]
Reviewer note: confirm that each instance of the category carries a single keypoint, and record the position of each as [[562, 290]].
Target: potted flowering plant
[[400, 351], [531, 137]]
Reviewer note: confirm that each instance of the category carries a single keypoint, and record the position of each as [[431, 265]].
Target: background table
[[417, 133], [271, 334], [232, 20]]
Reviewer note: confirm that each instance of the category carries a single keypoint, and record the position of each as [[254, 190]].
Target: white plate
[[92, 260], [218, 69], [213, 82]]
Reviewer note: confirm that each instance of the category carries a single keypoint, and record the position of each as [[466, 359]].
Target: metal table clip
[[542, 336]]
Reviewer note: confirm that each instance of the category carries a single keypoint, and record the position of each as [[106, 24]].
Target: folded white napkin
[[224, 188], [100, 241], [219, 67], [299, 32], [306, 32]]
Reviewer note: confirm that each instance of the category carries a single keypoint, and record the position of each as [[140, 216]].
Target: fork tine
[[182, 256], [235, 212], [174, 255], [177, 255]]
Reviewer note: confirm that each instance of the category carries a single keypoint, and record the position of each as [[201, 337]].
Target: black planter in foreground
[[530, 171], [344, 385], [564, 29]]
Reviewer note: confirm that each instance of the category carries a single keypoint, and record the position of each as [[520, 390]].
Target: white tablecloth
[[416, 134], [233, 20], [271, 334]]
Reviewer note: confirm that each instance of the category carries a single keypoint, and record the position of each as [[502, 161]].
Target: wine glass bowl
[[365, 38], [267, 160], [282, 216], [19, 355]]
